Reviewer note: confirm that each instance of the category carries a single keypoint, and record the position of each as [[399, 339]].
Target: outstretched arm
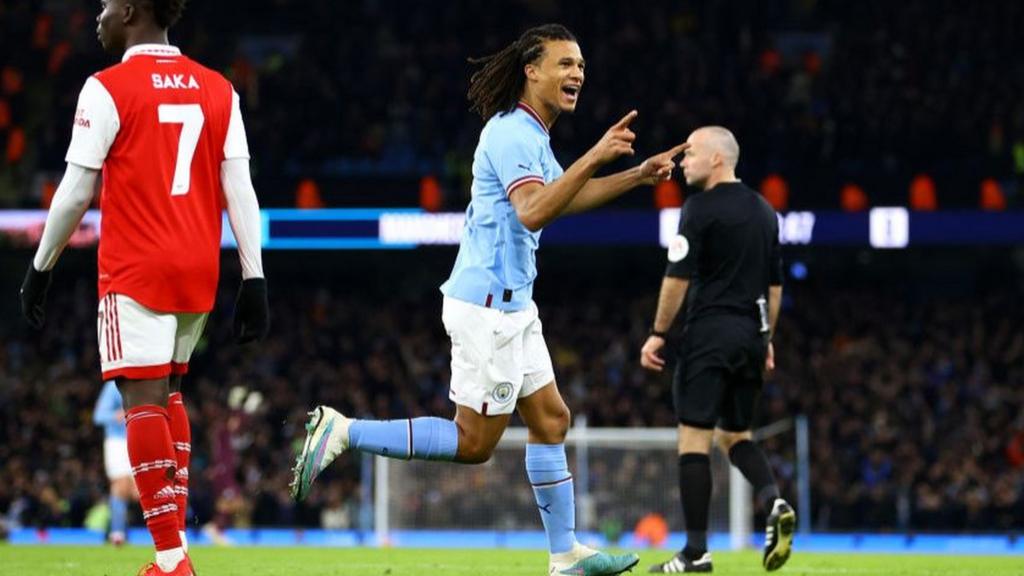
[[599, 191], [538, 204]]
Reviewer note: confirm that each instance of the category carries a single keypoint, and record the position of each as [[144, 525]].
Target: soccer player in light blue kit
[[500, 361], [109, 413]]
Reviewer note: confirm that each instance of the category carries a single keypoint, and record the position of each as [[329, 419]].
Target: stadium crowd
[[367, 97], [915, 405]]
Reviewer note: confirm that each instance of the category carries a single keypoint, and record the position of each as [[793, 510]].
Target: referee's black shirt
[[728, 247]]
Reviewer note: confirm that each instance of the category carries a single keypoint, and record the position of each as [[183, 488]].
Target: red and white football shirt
[[159, 125]]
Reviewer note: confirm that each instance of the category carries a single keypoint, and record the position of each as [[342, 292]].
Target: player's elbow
[[531, 219], [531, 213], [531, 223]]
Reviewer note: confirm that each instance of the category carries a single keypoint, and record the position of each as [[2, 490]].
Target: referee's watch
[[662, 335]]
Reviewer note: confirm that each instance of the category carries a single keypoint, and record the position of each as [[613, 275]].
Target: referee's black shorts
[[718, 378]]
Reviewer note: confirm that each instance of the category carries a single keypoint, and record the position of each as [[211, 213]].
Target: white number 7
[[190, 116]]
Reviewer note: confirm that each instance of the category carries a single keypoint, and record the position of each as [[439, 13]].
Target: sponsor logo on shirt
[[80, 119], [174, 81]]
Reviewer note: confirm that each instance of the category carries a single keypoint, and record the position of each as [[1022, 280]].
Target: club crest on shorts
[[502, 393], [678, 248]]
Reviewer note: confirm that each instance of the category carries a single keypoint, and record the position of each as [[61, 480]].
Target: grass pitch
[[107, 561]]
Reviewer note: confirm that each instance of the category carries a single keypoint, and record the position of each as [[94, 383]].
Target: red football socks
[[181, 435], [153, 465]]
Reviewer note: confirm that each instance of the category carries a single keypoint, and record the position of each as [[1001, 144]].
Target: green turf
[[94, 561]]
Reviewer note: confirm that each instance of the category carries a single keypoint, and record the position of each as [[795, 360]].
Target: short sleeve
[[684, 248], [96, 125], [516, 158], [235, 143]]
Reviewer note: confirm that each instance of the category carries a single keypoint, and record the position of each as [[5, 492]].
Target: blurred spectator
[[914, 399], [821, 91]]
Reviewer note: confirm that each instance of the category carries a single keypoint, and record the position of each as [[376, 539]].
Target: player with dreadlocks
[[167, 136], [500, 361]]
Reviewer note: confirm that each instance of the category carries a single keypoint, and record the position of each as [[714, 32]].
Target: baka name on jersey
[[174, 81]]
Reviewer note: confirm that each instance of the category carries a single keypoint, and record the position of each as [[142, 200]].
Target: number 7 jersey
[[159, 125]]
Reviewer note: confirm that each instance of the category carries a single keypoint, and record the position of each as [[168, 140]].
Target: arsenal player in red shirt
[[166, 136]]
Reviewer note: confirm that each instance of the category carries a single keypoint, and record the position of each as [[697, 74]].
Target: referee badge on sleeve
[[678, 248]]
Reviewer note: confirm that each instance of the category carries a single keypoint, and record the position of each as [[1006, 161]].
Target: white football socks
[[168, 560]]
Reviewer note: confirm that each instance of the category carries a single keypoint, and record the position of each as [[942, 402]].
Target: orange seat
[[852, 198], [776, 191], [431, 198], [307, 195], [990, 196], [922, 194], [668, 194]]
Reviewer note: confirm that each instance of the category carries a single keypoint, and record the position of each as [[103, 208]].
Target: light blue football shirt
[[497, 264], [107, 406]]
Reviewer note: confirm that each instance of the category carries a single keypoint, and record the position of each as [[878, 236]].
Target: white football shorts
[[140, 344], [497, 357], [115, 458]]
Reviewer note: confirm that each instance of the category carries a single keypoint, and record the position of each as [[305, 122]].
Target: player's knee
[[143, 392], [555, 426], [560, 422], [475, 452]]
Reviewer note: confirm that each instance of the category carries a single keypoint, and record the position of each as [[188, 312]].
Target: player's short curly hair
[[167, 12]]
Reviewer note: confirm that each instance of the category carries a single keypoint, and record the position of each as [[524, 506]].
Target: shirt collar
[[533, 114], [151, 50]]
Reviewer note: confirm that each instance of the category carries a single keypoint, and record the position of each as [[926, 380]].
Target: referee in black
[[725, 263]]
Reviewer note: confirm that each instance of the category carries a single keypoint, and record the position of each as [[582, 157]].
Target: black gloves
[[252, 312], [33, 296]]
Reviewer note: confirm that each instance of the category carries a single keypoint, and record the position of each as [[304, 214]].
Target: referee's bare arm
[[774, 303], [670, 300], [774, 298]]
